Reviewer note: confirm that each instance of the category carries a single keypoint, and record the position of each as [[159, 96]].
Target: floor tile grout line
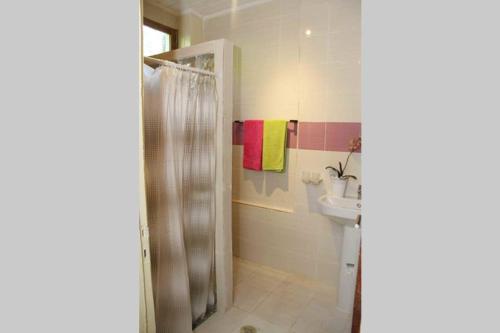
[[286, 280], [267, 296], [301, 310]]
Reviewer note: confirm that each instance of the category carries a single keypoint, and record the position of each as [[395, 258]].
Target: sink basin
[[344, 210]]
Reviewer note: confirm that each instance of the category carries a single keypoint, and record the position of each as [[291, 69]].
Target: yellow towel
[[274, 145]]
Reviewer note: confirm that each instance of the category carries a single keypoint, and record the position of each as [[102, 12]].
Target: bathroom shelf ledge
[[278, 209]]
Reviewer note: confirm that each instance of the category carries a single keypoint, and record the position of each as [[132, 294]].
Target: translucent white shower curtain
[[179, 135]]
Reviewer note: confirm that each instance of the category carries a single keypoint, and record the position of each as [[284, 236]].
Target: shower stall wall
[[217, 56]]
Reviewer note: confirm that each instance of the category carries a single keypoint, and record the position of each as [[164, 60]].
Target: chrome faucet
[[359, 192]]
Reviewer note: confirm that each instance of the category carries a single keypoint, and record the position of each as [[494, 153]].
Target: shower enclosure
[[209, 261]]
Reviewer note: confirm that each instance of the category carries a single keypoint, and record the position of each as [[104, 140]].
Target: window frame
[[173, 33]]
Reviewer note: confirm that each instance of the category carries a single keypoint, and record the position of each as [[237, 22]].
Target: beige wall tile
[[281, 73]]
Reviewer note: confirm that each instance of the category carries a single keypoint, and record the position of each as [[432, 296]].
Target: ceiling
[[201, 7]]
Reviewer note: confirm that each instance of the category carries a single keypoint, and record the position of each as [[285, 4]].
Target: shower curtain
[[180, 125]]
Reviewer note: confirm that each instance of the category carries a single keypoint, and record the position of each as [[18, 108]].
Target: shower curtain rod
[[173, 64]]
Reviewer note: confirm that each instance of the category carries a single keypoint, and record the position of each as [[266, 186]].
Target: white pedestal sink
[[346, 212]]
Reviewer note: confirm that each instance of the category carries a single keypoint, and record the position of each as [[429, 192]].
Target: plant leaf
[[334, 169], [341, 171], [350, 176]]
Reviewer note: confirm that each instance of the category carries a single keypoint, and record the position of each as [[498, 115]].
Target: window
[[157, 38], [155, 41]]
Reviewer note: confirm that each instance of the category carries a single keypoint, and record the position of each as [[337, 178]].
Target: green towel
[[273, 145]]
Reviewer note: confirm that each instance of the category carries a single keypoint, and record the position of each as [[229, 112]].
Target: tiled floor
[[275, 302]]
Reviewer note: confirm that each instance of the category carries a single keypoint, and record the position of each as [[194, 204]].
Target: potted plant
[[338, 176]]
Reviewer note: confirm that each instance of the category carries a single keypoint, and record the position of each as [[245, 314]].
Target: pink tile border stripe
[[237, 133], [326, 136], [312, 136], [338, 135], [293, 130]]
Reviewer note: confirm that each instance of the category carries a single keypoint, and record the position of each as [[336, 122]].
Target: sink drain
[[248, 329]]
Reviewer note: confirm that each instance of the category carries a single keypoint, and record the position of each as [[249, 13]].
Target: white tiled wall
[[301, 242], [282, 73], [158, 14]]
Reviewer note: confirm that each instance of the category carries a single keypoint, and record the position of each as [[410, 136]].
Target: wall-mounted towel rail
[[295, 121]]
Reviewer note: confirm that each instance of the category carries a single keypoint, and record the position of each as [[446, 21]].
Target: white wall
[[190, 29], [282, 73], [160, 15]]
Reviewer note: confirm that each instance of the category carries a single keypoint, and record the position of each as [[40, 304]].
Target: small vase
[[339, 186]]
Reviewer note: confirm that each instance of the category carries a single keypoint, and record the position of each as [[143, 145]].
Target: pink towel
[[252, 144]]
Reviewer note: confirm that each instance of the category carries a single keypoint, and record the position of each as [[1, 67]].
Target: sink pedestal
[[346, 212], [347, 279], [348, 269]]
